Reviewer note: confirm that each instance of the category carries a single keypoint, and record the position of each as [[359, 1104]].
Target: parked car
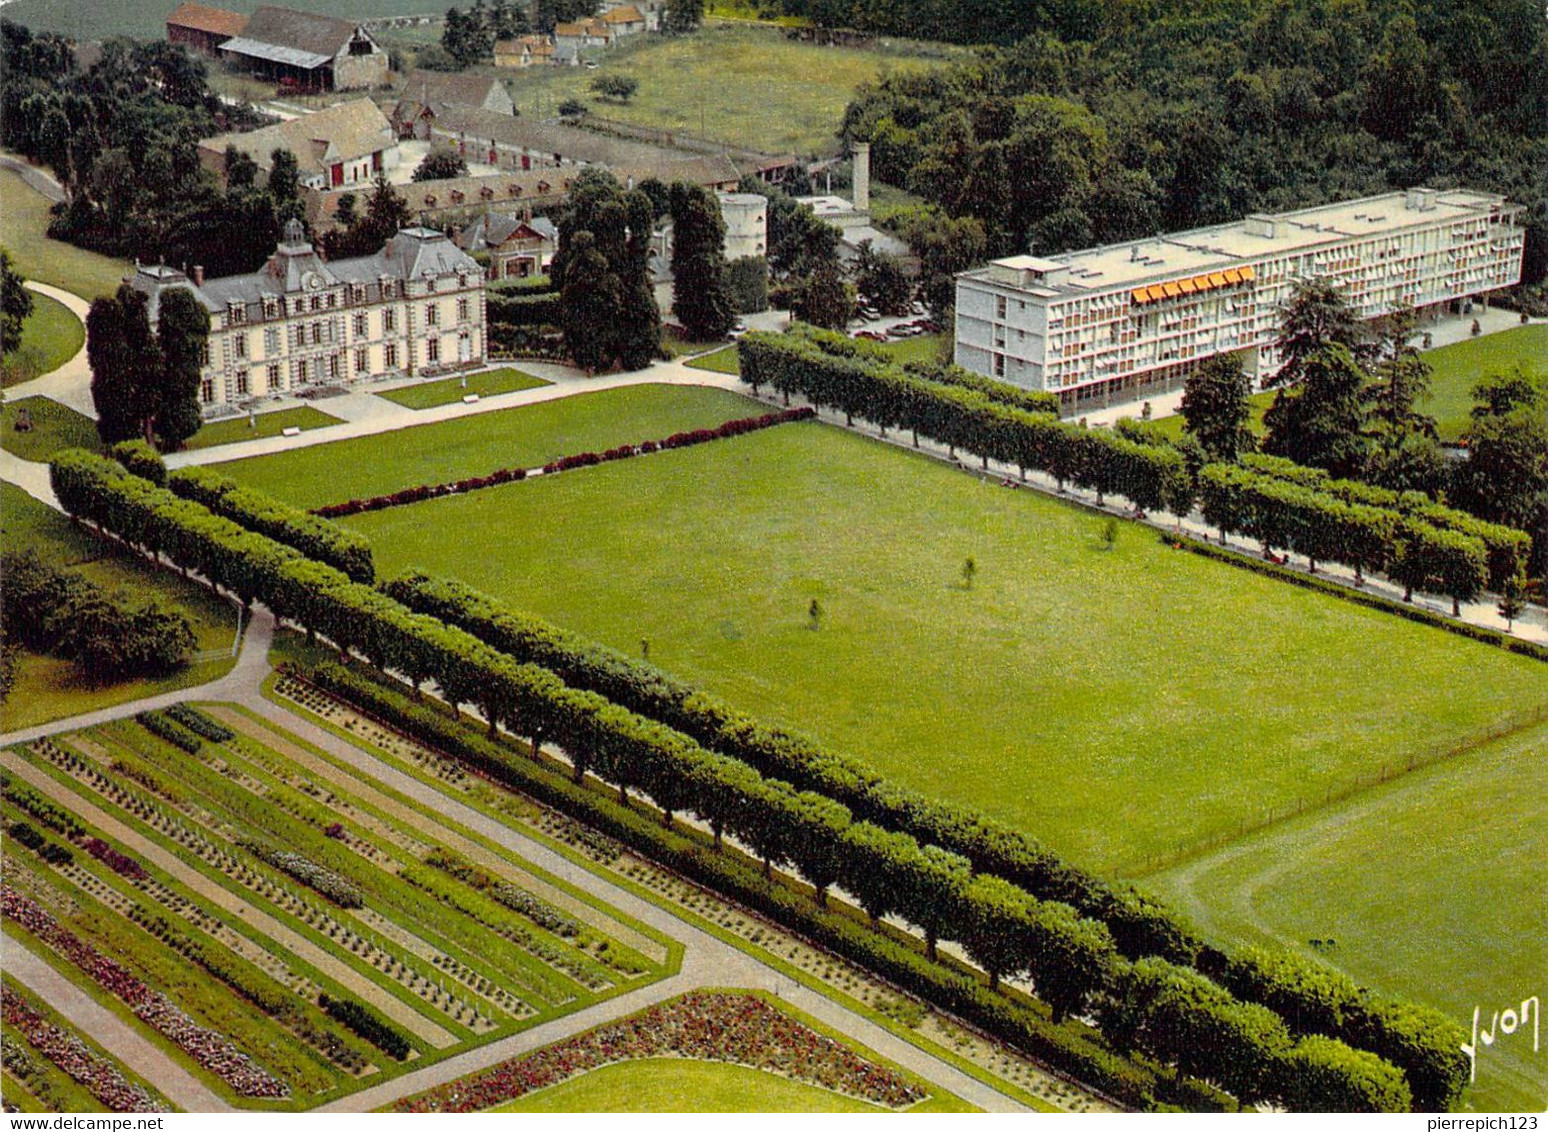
[[899, 331]]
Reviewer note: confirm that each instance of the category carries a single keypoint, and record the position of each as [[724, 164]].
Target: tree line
[[1073, 960]]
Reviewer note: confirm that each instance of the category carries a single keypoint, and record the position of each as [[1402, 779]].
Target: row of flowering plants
[[316, 877], [738, 1029], [210, 1049], [74, 1057], [120, 863], [422, 492]]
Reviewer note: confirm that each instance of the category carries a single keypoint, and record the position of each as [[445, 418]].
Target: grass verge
[[451, 389]]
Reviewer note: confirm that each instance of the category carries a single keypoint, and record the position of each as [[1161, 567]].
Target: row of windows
[[321, 332]]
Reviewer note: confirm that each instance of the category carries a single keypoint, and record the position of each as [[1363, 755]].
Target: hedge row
[[140, 459], [170, 730], [420, 494], [1073, 960], [1507, 549], [1138, 925], [364, 1021], [200, 724], [313, 536], [1151, 478], [540, 309], [1325, 527]]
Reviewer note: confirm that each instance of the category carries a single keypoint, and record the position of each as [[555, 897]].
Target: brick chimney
[[198, 275]]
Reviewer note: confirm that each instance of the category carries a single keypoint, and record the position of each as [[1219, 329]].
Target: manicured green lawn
[[1122, 705], [236, 429], [50, 337], [23, 224], [674, 1085], [477, 445], [920, 348], [1431, 887], [724, 360], [49, 688], [54, 426], [726, 76], [1457, 368], [444, 392]]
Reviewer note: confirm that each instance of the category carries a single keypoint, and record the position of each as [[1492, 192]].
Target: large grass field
[[1430, 887], [674, 1085], [429, 394], [726, 76], [23, 224], [48, 688], [146, 19], [54, 426], [1124, 705], [477, 445], [1456, 369], [50, 337]]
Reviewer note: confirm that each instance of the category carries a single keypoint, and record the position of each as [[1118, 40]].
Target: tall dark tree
[[15, 304], [699, 262], [882, 279], [547, 13], [441, 165], [1318, 315], [285, 186], [602, 271], [1505, 477], [826, 299], [682, 16], [182, 333], [1321, 420], [121, 351], [1217, 406], [241, 170]]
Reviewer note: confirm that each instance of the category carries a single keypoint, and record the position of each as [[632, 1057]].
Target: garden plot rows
[[282, 914], [840, 979], [50, 1067]]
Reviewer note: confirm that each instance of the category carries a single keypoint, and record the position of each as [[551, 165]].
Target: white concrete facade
[[747, 224], [1120, 322]]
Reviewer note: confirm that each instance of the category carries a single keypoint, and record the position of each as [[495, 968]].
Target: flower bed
[[212, 1050], [308, 872], [123, 865], [77, 1059], [738, 1029], [418, 494]]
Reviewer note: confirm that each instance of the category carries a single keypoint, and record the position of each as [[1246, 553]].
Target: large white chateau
[[416, 307], [1130, 320]]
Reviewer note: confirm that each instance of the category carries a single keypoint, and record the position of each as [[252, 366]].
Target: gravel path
[[108, 1030]]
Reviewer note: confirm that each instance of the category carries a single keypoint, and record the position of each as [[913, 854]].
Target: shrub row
[[537, 309], [1139, 925], [362, 1020], [199, 723], [564, 463], [513, 897], [64, 613], [313, 536], [1325, 527], [50, 851], [140, 459], [1072, 959], [308, 872], [1096, 459], [1506, 548], [170, 730], [42, 810]]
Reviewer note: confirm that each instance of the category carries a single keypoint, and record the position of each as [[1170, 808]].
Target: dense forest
[[1111, 121]]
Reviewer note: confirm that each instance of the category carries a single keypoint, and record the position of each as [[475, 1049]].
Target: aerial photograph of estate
[[766, 556]]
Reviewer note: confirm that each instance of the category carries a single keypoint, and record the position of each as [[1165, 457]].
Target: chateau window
[[204, 352], [317, 302], [362, 361], [390, 356], [241, 383], [333, 366], [239, 345], [433, 350], [274, 376], [389, 320], [432, 314], [270, 309], [207, 390], [301, 371], [271, 341], [462, 310], [362, 324], [317, 333]]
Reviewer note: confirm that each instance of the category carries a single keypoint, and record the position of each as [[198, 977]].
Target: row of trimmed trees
[[1420, 544], [1073, 960]]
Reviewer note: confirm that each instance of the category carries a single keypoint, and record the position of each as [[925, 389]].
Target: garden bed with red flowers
[[738, 1029], [75, 1058]]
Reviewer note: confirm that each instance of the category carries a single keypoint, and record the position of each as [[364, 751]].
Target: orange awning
[[1153, 293], [1171, 290], [1140, 295], [1247, 274], [1217, 279], [1232, 275]]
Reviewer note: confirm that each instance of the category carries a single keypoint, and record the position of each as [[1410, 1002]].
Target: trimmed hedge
[[365, 1022], [199, 723], [313, 536], [522, 309], [140, 459]]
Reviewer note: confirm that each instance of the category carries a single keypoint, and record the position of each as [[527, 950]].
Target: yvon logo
[[1506, 1022]]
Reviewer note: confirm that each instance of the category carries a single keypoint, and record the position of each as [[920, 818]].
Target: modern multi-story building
[[416, 307], [1131, 320]]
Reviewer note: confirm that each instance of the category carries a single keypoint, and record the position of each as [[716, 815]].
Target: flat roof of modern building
[[1224, 246]]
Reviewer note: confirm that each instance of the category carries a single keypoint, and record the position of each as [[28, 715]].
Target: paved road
[[108, 1030]]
